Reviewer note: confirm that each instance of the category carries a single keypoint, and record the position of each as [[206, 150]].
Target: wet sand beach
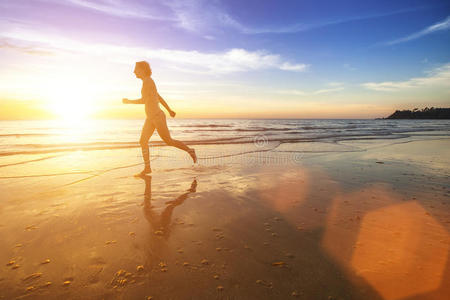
[[366, 219]]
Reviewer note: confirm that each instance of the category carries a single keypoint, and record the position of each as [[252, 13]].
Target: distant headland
[[426, 113]]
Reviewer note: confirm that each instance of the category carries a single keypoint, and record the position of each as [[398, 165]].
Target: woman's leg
[[163, 131], [147, 132]]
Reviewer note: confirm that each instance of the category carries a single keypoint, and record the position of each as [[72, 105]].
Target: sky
[[228, 59]]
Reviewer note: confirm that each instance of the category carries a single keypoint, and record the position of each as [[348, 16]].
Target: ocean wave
[[206, 125], [330, 127], [124, 134], [257, 129]]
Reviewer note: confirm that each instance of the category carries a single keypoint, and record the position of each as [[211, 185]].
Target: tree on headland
[[426, 113]]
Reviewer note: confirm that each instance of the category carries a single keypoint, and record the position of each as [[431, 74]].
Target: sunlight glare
[[71, 102]]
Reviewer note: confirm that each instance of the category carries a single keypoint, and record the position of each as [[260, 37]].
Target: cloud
[[229, 61], [325, 91], [311, 93], [205, 16], [125, 9], [335, 84], [296, 67], [299, 27], [233, 60], [202, 16], [437, 77], [192, 15], [24, 49], [440, 26]]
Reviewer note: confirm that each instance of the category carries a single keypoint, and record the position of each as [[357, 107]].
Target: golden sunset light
[[197, 149]]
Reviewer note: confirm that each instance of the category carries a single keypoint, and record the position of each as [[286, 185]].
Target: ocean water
[[37, 137]]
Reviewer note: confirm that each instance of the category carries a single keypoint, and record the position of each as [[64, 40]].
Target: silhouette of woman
[[156, 118]]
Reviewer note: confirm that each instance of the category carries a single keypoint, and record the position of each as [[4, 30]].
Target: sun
[[71, 102], [73, 107]]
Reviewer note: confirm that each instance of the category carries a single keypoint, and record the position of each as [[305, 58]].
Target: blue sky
[[232, 58]]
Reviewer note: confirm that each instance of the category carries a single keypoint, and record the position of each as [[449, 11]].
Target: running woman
[[156, 118]]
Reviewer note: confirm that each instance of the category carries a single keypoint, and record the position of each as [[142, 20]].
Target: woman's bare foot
[[192, 154], [147, 170]]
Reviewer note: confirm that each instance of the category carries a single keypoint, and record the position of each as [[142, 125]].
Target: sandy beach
[[366, 219]]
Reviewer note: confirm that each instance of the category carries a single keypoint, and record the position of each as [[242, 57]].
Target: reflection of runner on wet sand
[[161, 223]]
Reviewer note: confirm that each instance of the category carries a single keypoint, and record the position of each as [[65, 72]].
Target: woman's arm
[[128, 101], [164, 103]]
